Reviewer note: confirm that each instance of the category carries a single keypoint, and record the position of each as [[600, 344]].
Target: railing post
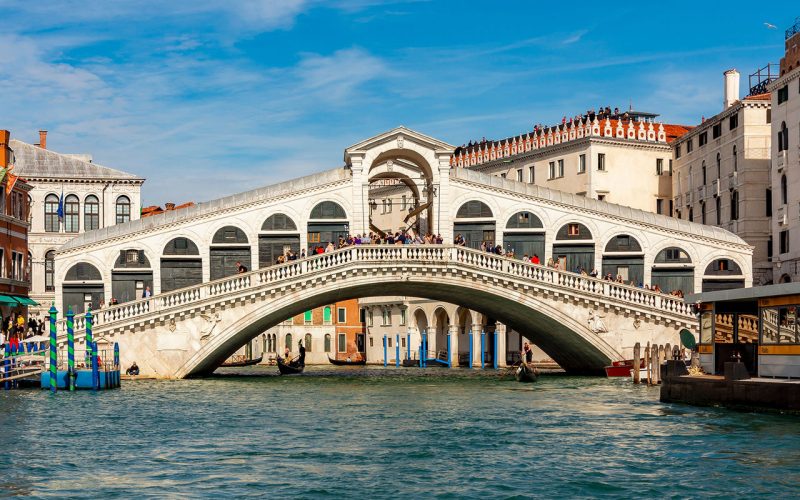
[[71, 348], [53, 350]]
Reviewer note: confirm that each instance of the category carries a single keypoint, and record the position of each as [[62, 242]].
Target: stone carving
[[208, 327], [400, 142], [596, 323], [637, 323], [171, 325]]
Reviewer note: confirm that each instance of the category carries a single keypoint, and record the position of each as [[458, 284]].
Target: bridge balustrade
[[394, 254]]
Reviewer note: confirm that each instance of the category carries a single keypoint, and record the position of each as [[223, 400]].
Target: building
[[92, 197], [786, 162], [151, 210], [335, 330], [596, 155], [721, 176], [14, 217]]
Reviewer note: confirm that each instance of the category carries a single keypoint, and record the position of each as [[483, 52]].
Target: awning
[[16, 300], [8, 301], [25, 301]]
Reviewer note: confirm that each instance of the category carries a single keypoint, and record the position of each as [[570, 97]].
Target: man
[[240, 268], [301, 361], [146, 294], [133, 369], [527, 352]]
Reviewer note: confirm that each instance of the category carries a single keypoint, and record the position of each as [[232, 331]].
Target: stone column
[[443, 219], [453, 330], [501, 345], [359, 219], [476, 344]]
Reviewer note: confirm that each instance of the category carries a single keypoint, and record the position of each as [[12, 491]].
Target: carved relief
[[596, 324]]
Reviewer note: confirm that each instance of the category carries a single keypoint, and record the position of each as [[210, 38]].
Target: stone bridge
[[583, 322]]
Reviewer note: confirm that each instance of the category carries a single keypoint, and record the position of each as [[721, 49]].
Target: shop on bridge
[[524, 234], [278, 236], [229, 246], [181, 265], [131, 275], [624, 257], [722, 274], [475, 222], [673, 270], [82, 288], [573, 248], [327, 223]]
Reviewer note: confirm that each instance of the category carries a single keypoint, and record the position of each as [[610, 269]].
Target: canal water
[[385, 434]]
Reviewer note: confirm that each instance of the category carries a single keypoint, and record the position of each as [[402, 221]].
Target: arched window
[[704, 172], [91, 213], [288, 342], [735, 159], [123, 209], [719, 166], [734, 205], [50, 213], [308, 342], [783, 137], [71, 214], [719, 210], [326, 316], [474, 210], [279, 222], [673, 255], [784, 193], [702, 212], [49, 271], [328, 210], [327, 342]]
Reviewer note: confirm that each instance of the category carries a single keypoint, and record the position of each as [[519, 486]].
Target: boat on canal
[[620, 368], [241, 361], [290, 368], [526, 372], [347, 362]]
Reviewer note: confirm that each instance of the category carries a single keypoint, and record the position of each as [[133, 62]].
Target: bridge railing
[[388, 254]]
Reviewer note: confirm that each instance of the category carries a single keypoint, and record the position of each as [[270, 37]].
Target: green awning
[[8, 301], [25, 301]]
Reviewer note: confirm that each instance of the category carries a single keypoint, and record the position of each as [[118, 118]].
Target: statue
[[211, 323], [596, 323]]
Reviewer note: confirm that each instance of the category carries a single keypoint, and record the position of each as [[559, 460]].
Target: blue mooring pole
[[397, 352], [88, 340], [116, 355], [449, 359], [470, 348], [496, 355], [424, 359], [408, 346], [95, 368], [385, 361], [53, 350], [483, 348], [7, 365]]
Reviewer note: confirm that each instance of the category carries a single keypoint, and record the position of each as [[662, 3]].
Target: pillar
[[500, 331], [453, 331], [359, 216], [477, 328], [443, 218]]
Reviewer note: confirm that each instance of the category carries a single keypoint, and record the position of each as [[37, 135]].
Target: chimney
[[43, 139], [5, 137], [169, 206], [731, 88]]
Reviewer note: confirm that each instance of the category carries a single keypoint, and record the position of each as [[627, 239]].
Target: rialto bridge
[[201, 310]]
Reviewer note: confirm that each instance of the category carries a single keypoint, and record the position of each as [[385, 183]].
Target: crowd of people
[[16, 329]]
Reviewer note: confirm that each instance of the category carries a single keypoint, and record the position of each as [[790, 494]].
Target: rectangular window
[[387, 317], [689, 145], [784, 243], [362, 315], [343, 343], [369, 316], [783, 94], [670, 208], [131, 256], [702, 139], [390, 342], [769, 202], [601, 161], [403, 313], [561, 168], [733, 122], [519, 175], [308, 317], [370, 342], [581, 164], [2, 263], [670, 167], [552, 171], [716, 130], [574, 230], [341, 315], [678, 151], [313, 237], [531, 175], [659, 166], [660, 207]]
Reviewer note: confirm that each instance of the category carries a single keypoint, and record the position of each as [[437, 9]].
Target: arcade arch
[[228, 246], [181, 265], [573, 247], [82, 288], [279, 235], [474, 221]]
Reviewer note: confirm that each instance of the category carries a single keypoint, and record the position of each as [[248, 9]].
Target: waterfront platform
[[758, 393], [109, 379]]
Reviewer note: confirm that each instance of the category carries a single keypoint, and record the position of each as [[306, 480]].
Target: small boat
[[410, 362], [291, 368], [526, 373], [621, 368], [347, 362], [242, 362]]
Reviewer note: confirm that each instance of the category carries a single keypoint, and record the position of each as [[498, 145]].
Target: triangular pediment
[[399, 135]]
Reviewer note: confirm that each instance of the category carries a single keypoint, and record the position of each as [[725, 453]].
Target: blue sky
[[209, 98]]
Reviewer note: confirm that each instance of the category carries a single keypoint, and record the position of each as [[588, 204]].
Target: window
[[660, 207], [702, 212], [703, 169], [552, 170], [735, 205], [670, 167], [719, 166], [341, 315], [91, 213], [326, 316], [342, 343], [768, 199], [308, 342], [123, 209], [670, 208], [678, 151], [783, 94], [561, 168], [389, 204], [691, 214], [386, 317], [369, 316], [370, 342], [733, 122], [581, 164], [702, 139], [735, 160], [308, 317], [404, 203], [51, 213], [531, 174], [784, 194], [769, 248], [716, 130], [2, 263], [288, 341], [390, 342], [574, 230], [784, 243], [71, 213], [503, 175], [783, 137], [327, 342], [362, 315], [519, 175], [689, 145], [601, 161], [131, 256], [659, 166], [403, 314], [718, 208], [49, 271]]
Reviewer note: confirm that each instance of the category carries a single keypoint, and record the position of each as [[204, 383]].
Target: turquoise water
[[388, 434]]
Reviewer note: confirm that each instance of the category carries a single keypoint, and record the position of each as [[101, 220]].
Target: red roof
[[675, 131], [766, 96]]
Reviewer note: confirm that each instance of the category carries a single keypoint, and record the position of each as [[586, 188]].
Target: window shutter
[[122, 260], [141, 256]]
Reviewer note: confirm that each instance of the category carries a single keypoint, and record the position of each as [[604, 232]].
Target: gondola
[[347, 362], [246, 362], [526, 373], [289, 369]]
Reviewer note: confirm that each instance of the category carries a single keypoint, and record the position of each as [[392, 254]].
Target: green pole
[[71, 348], [53, 350]]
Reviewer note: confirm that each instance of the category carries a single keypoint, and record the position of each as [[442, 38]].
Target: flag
[[10, 181], [5, 171], [61, 205]]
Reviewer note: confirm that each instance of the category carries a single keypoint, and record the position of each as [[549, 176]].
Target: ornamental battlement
[[630, 127]]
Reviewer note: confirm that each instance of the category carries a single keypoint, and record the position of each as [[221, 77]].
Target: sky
[[206, 98]]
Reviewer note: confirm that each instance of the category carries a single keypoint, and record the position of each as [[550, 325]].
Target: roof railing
[[794, 29]]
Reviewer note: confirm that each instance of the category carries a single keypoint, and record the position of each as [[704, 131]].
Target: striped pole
[[116, 355], [71, 348], [53, 350], [89, 338]]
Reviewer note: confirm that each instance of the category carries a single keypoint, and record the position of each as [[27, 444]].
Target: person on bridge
[[535, 259], [240, 268], [147, 293]]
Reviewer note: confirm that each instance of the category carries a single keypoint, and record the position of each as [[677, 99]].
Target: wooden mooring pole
[[637, 360]]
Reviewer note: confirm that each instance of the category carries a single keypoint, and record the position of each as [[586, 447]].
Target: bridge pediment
[[398, 138]]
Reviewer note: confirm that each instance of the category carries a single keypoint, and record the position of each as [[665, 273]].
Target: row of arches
[[271, 344], [72, 212]]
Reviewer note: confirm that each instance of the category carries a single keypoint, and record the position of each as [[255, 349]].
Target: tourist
[[33, 326], [146, 293], [303, 253], [292, 255], [459, 241], [535, 259], [330, 248], [287, 354], [593, 274], [132, 370], [240, 268]]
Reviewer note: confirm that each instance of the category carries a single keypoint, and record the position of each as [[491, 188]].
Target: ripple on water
[[388, 433]]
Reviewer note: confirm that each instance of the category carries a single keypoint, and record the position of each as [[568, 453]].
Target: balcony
[[780, 160], [733, 181], [678, 201], [781, 215], [702, 192], [715, 188], [687, 198]]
